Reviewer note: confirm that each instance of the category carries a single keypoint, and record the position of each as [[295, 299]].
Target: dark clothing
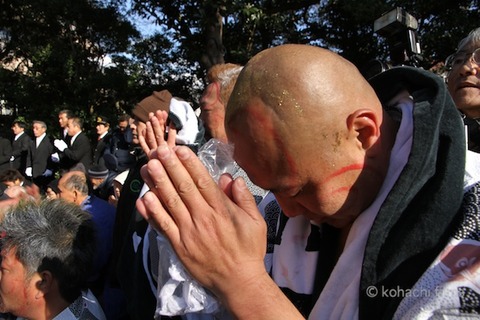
[[129, 265], [105, 189], [5, 153], [20, 152], [103, 216], [100, 149], [78, 152], [473, 133], [419, 214], [39, 159], [118, 154]]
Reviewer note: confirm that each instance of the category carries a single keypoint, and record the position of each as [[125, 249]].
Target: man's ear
[[44, 283], [364, 125]]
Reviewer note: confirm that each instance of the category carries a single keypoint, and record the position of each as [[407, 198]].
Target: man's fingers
[[143, 143], [152, 210], [172, 136], [151, 134], [159, 182], [244, 198], [205, 185]]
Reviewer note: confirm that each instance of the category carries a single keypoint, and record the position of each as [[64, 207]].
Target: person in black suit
[[104, 136], [39, 165], [78, 154], [20, 145], [5, 153]]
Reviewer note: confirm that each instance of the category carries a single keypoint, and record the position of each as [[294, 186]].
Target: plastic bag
[[217, 157], [177, 292]]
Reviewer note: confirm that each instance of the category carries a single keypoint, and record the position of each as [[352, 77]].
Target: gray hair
[[51, 235], [473, 37], [77, 181], [227, 76], [41, 123]]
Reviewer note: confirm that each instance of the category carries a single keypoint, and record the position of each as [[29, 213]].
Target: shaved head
[[306, 125], [299, 81]]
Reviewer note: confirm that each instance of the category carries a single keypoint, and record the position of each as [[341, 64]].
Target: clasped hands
[[216, 230]]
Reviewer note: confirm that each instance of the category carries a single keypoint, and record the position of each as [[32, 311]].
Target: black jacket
[[5, 153], [78, 152], [39, 158], [20, 151], [420, 213]]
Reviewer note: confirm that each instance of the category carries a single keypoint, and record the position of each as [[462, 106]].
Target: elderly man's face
[[38, 129], [464, 83], [17, 293], [66, 194], [96, 182]]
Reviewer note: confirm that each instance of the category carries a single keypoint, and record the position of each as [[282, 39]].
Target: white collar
[[19, 135], [41, 137], [75, 137]]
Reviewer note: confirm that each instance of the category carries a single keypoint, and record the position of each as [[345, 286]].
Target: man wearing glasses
[[464, 84]]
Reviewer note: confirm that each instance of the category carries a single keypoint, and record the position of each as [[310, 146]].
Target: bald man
[[370, 178]]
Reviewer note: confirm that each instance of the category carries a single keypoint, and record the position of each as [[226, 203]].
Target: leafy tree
[[56, 50], [242, 28], [53, 53]]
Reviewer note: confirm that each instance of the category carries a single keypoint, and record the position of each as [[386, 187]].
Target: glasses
[[461, 58]]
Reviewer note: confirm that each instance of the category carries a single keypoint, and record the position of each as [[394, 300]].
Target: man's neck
[[54, 305]]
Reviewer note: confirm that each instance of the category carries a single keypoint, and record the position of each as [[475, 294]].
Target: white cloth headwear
[[184, 113]]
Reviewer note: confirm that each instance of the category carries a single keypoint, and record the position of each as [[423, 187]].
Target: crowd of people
[[302, 190]]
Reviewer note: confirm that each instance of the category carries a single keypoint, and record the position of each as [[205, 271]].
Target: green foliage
[[345, 26], [54, 51]]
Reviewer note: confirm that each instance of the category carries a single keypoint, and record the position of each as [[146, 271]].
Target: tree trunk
[[214, 49]]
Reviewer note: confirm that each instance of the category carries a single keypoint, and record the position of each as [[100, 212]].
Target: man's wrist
[[259, 298]]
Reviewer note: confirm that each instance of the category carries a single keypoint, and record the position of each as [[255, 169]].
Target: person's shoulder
[[101, 203], [25, 136], [86, 306]]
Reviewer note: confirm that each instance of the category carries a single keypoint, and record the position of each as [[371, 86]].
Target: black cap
[[98, 171], [102, 120]]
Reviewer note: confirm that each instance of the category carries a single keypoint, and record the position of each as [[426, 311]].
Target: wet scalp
[[301, 81]]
